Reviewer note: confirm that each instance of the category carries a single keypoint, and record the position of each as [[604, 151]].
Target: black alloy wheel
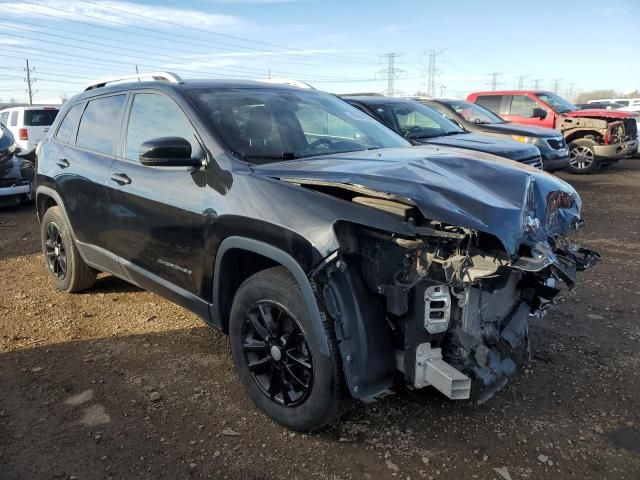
[[277, 353], [55, 251]]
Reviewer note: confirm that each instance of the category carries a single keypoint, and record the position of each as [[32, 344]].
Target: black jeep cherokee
[[342, 262]]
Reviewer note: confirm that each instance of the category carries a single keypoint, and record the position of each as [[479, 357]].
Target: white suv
[[28, 124]]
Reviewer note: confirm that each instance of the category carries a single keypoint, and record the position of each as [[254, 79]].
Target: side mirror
[[167, 152], [540, 113]]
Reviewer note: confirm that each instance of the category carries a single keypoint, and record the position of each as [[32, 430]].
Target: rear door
[[159, 210], [37, 123], [81, 170]]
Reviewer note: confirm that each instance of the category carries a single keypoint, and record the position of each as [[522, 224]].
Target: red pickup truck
[[595, 137]]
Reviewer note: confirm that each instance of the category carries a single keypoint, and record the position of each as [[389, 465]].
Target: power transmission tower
[[30, 81], [432, 71], [569, 93], [536, 83], [556, 85], [494, 80], [521, 79], [391, 73]]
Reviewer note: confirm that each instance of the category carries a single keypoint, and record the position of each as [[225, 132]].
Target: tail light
[[23, 134]]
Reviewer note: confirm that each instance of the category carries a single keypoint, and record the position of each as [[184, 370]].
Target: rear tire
[[277, 357], [66, 268], [582, 157]]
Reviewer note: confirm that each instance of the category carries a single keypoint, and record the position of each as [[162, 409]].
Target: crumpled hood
[[503, 148], [511, 201], [594, 112]]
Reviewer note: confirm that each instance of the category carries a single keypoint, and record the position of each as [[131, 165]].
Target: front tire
[[277, 357], [66, 268], [582, 157]]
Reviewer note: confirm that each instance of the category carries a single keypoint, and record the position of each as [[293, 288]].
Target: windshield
[[559, 104], [474, 113], [39, 118], [263, 125], [414, 120]]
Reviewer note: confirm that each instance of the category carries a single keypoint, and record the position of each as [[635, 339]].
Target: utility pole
[[432, 71], [536, 83], [391, 73], [556, 85], [30, 81], [521, 81], [494, 79]]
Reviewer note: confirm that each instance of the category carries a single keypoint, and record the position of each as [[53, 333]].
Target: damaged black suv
[[337, 257]]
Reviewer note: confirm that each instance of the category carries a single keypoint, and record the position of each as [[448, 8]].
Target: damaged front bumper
[[443, 309]]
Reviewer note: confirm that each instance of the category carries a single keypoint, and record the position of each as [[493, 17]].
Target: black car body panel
[[527, 154], [365, 233], [552, 147]]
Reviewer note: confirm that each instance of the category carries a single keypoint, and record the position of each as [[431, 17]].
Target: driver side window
[[522, 106]]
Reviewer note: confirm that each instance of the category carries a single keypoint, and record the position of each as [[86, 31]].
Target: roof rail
[[156, 76], [286, 81]]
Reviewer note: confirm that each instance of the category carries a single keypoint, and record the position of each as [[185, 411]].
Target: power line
[[556, 84], [391, 73], [189, 39]]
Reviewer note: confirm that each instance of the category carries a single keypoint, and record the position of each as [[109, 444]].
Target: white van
[[28, 124]]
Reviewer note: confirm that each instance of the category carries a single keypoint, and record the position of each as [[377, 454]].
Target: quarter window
[[522, 106], [68, 126], [100, 124], [491, 102], [155, 116]]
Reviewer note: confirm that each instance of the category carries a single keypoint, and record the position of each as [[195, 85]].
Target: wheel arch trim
[[279, 256]]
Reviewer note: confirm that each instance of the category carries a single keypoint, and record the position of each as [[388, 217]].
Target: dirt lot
[[118, 383]]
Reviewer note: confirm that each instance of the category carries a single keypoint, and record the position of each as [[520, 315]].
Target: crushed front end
[[455, 303]]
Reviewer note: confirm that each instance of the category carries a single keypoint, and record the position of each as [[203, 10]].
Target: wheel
[[582, 156], [277, 359], [65, 266]]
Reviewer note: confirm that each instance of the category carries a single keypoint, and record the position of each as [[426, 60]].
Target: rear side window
[[522, 106], [68, 126], [39, 118], [3, 118], [100, 124], [155, 116], [13, 119], [492, 102]]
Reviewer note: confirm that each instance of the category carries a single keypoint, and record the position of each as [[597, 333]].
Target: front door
[[159, 210], [519, 109]]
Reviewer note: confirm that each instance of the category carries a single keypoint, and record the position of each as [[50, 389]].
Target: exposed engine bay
[[456, 305], [605, 131]]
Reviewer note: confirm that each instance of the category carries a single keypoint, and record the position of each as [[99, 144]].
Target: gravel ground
[[118, 383]]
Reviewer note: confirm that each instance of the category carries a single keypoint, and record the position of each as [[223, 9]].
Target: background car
[[16, 174], [479, 120], [422, 125], [596, 137], [28, 124]]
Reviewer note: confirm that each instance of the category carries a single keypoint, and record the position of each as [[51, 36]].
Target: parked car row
[[344, 260], [596, 138]]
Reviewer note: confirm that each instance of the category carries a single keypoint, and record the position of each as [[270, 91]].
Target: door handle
[[120, 178], [63, 163]]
